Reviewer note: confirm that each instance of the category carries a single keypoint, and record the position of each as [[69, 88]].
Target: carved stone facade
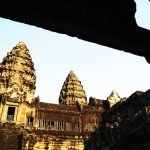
[[73, 124], [17, 74], [26, 123], [72, 92]]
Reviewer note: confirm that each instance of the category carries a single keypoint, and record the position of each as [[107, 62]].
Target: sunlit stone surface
[[113, 98], [17, 74], [72, 91], [26, 123], [73, 124]]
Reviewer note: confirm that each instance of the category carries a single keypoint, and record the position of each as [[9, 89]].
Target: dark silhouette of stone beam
[[106, 22]]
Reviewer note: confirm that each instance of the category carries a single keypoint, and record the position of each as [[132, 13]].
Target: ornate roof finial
[[21, 43]]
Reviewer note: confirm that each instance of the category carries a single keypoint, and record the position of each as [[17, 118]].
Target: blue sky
[[99, 68]]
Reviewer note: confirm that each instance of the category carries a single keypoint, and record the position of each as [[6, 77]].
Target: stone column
[[4, 113], [1, 107], [15, 114]]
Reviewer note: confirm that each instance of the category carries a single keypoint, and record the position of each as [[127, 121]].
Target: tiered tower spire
[[17, 74], [72, 91], [113, 98]]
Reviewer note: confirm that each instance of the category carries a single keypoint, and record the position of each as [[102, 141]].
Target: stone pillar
[[4, 113], [16, 113], [1, 107], [35, 121], [21, 115]]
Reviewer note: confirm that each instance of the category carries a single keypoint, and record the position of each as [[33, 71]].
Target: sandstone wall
[[13, 137], [51, 140], [10, 137]]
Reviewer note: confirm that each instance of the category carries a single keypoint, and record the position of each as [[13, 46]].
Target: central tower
[[72, 91]]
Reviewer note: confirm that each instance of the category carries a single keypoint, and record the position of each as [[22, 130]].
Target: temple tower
[[17, 86], [17, 74], [113, 98], [72, 91]]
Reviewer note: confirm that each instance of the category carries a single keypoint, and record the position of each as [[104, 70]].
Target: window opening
[[76, 127], [51, 125], [60, 125], [41, 124], [30, 122], [11, 113]]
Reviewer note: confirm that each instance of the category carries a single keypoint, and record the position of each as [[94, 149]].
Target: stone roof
[[93, 109], [99, 103], [95, 102], [64, 108], [56, 107], [72, 91]]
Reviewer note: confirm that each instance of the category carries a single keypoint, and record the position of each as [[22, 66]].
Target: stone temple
[[76, 123]]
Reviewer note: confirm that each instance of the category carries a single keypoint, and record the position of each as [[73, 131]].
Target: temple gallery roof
[[55, 107], [72, 109]]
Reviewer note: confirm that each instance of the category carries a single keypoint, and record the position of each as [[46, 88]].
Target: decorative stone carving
[[17, 74], [26, 124], [72, 91]]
